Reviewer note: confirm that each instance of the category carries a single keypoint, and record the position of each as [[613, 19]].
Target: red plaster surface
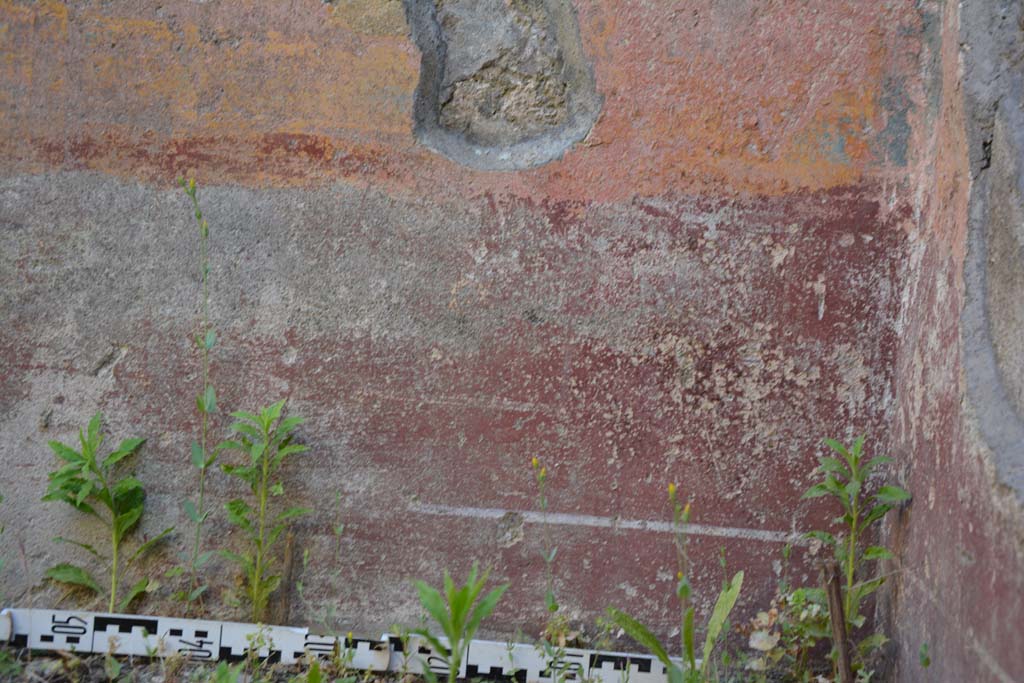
[[961, 581], [699, 292]]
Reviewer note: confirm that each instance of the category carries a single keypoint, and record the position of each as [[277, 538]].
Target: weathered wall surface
[[706, 285], [961, 543]]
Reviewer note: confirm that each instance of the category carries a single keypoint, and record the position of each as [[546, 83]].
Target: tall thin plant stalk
[[206, 403]]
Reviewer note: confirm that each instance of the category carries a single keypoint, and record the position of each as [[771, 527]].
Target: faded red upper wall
[[763, 98], [700, 291]]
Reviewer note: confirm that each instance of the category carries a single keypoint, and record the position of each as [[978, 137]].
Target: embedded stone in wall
[[504, 84]]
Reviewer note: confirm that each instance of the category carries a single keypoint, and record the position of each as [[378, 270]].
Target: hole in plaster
[[504, 84]]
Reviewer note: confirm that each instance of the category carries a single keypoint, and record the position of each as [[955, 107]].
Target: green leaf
[[196, 592], [190, 511], [314, 675], [838, 448], [239, 514], [125, 486], [127, 447], [273, 412], [875, 462], [483, 609], [244, 561], [638, 632], [277, 489], [94, 438], [245, 473], [923, 656], [286, 425], [229, 445], [242, 415], [71, 574], [891, 495], [150, 544], [816, 491], [877, 552], [65, 453], [871, 643], [865, 588], [257, 451], [876, 513], [210, 399], [432, 601], [274, 534], [292, 513], [723, 606], [124, 523], [211, 339], [829, 464], [84, 546], [689, 651], [134, 592], [550, 602], [197, 455], [290, 449], [83, 492], [822, 536], [67, 498]]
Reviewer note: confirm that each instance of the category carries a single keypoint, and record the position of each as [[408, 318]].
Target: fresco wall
[[733, 262]]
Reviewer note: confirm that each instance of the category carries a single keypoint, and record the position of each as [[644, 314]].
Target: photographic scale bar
[[213, 641]]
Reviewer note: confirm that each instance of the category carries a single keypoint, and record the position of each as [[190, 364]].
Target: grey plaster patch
[[504, 84], [993, 314], [895, 137]]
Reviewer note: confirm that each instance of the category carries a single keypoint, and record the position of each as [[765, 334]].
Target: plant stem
[[549, 578], [113, 566], [204, 270], [848, 602], [257, 587], [114, 540]]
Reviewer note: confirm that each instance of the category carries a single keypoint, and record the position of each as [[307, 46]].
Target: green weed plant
[[458, 612], [847, 480], [265, 440], [691, 670], [92, 484], [201, 455]]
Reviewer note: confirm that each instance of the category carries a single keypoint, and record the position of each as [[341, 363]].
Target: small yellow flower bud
[[535, 462], [543, 472], [679, 575], [349, 636], [672, 490], [686, 512]]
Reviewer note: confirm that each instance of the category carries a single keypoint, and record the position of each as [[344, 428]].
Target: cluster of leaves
[[90, 483], [458, 612], [847, 480], [785, 636], [265, 441]]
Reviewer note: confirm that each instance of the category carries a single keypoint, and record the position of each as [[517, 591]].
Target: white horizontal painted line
[[563, 519]]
